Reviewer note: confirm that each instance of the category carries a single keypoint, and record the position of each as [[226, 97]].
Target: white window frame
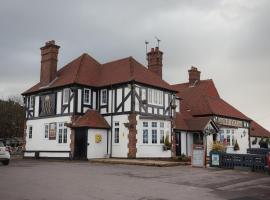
[[103, 91], [31, 102], [161, 136], [30, 132], [155, 97], [46, 131], [116, 135], [145, 136], [62, 133], [66, 96], [154, 132], [87, 97]]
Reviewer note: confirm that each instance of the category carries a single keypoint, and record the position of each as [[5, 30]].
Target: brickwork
[[154, 58], [49, 54], [132, 141]]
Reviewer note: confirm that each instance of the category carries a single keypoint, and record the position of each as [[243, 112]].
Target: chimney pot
[[194, 75]]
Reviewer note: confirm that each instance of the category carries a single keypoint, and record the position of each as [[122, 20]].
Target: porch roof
[[91, 119]]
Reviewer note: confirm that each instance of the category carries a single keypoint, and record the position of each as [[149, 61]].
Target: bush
[[218, 146], [255, 141], [167, 145]]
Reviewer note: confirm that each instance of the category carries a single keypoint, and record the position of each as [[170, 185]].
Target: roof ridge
[[78, 70]]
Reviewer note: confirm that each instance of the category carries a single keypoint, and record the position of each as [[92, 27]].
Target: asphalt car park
[[45, 179]]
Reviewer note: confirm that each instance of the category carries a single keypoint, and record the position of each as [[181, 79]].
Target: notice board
[[198, 156]]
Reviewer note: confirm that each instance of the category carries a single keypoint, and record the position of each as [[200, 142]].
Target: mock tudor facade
[[122, 109], [127, 106]]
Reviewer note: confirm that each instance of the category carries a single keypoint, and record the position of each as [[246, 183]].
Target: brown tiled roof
[[91, 119], [186, 122], [203, 99], [257, 130], [87, 71]]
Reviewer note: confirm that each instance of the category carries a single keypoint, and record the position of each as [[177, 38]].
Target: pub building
[[123, 109]]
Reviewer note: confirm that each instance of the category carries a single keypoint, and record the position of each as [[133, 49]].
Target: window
[[87, 96], [46, 134], [154, 124], [177, 103], [161, 124], [161, 137], [103, 97], [116, 132], [62, 133], [145, 124], [30, 132], [155, 97], [143, 94], [66, 96], [154, 136], [145, 136], [31, 102]]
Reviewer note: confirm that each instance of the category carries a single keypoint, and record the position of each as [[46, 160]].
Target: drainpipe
[[111, 119]]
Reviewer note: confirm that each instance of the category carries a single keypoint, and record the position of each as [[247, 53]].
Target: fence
[[261, 151], [257, 162]]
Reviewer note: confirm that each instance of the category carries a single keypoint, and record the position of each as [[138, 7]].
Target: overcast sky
[[229, 41]]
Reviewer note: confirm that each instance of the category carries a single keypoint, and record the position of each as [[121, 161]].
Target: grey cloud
[[227, 40]]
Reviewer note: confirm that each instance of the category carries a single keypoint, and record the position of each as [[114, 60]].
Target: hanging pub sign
[[228, 122], [198, 156], [47, 105], [52, 131]]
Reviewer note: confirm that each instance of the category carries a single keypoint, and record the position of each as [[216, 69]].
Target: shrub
[[218, 146], [167, 145]]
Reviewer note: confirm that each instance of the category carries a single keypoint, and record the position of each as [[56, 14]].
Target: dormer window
[[104, 97], [87, 96], [66, 96]]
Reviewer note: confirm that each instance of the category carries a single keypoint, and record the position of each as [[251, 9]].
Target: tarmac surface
[[81, 180]]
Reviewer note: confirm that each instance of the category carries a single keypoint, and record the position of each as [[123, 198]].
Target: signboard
[[198, 156], [98, 138], [228, 122], [47, 105], [215, 159], [52, 131]]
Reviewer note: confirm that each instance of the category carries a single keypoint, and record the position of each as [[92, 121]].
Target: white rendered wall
[[152, 150], [241, 135], [97, 150], [120, 149], [38, 141]]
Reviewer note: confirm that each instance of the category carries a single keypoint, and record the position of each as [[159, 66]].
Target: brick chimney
[[49, 54], [194, 75], [154, 58]]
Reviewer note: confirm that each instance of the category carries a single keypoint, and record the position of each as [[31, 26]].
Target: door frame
[[85, 144]]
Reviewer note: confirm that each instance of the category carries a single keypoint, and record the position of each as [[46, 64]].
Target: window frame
[[155, 97], [154, 139], [46, 131], [30, 132], [87, 96], [145, 136], [116, 136], [104, 97], [61, 128], [31, 102], [66, 96]]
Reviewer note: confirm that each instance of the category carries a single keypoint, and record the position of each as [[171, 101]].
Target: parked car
[[4, 154]]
